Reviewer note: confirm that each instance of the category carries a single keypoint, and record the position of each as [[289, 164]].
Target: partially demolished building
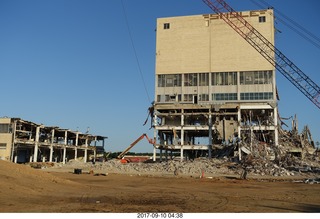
[[23, 141], [212, 88]]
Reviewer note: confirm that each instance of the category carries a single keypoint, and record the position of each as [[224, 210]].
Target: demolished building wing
[[23, 141]]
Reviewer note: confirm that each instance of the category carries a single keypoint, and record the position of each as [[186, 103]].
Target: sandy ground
[[24, 189]]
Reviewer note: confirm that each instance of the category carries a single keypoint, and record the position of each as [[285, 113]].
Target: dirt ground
[[24, 189]]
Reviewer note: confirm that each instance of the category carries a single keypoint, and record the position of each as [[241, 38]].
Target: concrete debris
[[309, 181], [294, 156]]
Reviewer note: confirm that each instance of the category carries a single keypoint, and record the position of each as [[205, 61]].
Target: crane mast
[[274, 56]]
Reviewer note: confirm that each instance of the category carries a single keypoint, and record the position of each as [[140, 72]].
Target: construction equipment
[[286, 67], [151, 141]]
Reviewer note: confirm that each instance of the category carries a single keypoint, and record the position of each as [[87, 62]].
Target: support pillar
[[155, 138], [65, 145], [36, 145], [64, 154], [76, 149], [181, 154], [210, 135], [182, 135], [86, 152], [276, 134], [154, 154], [239, 133], [51, 145]]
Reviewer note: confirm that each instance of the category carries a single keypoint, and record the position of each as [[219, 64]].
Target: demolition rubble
[[295, 156]]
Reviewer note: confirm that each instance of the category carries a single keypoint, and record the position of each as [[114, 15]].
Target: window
[[166, 26], [172, 80], [204, 97], [4, 128], [256, 77], [224, 96], [256, 96], [188, 97], [224, 78], [204, 79], [3, 146], [191, 79], [262, 19]]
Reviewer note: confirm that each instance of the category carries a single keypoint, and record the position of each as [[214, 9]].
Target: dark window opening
[[262, 19], [166, 26]]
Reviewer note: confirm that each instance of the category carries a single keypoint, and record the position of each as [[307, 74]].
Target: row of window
[[216, 97], [217, 79], [262, 19]]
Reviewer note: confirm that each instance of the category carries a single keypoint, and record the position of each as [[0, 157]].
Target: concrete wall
[[205, 43], [5, 141]]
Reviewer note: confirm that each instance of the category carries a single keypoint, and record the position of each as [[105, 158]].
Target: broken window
[[204, 79], [191, 79], [256, 77], [224, 78], [204, 97], [188, 97], [170, 80]]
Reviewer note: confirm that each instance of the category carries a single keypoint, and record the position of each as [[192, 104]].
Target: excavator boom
[[133, 144]]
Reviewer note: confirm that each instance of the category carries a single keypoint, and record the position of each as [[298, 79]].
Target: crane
[[273, 55]]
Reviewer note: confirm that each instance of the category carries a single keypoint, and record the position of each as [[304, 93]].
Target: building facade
[[211, 87], [23, 141]]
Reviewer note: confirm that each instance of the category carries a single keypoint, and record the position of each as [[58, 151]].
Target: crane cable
[[134, 50], [304, 33]]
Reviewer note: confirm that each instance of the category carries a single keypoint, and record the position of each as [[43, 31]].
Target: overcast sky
[[70, 63]]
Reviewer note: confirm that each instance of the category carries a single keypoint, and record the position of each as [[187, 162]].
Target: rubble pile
[[295, 155]]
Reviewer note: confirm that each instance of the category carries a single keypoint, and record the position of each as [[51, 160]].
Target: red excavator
[[134, 158]]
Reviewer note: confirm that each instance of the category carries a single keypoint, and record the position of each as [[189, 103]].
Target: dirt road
[[29, 190]]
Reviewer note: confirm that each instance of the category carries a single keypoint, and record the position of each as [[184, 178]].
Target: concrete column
[[86, 152], [36, 145], [65, 145], [13, 140], [75, 154], [154, 154], [181, 154], [239, 132], [276, 134], [76, 149], [65, 137], [210, 135], [182, 134], [77, 138], [155, 142], [51, 145], [64, 154]]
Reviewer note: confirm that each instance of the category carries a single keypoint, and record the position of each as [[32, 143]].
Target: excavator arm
[[120, 156]]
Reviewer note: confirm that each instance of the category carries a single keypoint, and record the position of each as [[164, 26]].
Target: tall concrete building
[[212, 88]]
